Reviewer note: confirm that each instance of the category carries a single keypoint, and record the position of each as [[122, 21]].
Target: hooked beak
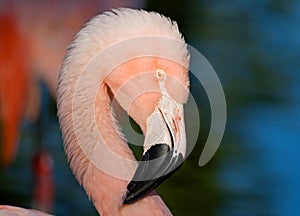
[[164, 149]]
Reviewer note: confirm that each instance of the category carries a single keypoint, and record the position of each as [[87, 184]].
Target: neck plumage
[[105, 190]]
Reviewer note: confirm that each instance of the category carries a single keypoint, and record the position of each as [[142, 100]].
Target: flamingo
[[138, 59]]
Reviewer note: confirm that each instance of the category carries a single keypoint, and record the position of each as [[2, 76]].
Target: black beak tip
[[159, 171], [128, 198]]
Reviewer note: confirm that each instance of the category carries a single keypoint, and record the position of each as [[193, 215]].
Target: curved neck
[[106, 191]]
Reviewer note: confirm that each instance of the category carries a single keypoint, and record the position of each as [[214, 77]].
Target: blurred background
[[254, 46]]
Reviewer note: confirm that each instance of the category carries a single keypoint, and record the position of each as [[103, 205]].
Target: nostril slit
[[175, 126]]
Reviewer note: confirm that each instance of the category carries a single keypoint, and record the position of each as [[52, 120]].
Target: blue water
[[277, 141], [261, 173], [276, 130]]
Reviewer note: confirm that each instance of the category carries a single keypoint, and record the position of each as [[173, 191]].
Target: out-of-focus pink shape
[[16, 211], [14, 70]]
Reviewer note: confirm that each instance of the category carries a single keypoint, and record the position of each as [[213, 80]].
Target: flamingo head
[[153, 93]]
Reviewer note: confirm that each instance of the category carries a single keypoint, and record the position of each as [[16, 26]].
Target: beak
[[164, 149]]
